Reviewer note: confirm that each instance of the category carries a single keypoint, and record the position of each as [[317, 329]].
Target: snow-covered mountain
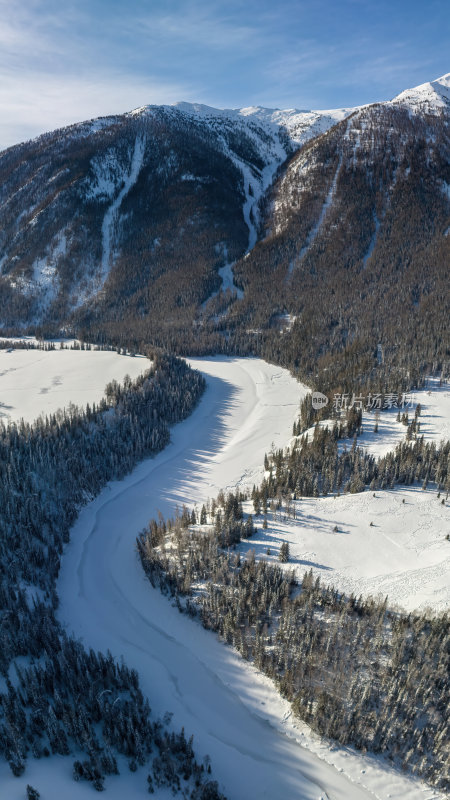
[[432, 97], [75, 202], [300, 125], [148, 215]]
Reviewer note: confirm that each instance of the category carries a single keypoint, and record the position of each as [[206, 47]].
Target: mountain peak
[[431, 96]]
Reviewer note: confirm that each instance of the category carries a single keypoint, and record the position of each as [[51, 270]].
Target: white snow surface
[[34, 382], [430, 97], [111, 215], [44, 283], [107, 176], [235, 714], [301, 125], [53, 779], [412, 565], [404, 553], [434, 421], [226, 275], [279, 132]]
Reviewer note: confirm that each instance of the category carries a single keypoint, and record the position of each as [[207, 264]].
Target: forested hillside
[[320, 242], [306, 238], [354, 670], [133, 216], [60, 698], [357, 249]]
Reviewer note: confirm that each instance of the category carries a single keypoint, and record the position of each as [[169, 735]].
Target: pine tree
[[284, 553]]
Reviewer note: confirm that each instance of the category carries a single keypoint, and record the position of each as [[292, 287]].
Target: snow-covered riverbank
[[235, 714]]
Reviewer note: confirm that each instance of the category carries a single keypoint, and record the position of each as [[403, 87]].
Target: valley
[[175, 282], [107, 601], [234, 712]]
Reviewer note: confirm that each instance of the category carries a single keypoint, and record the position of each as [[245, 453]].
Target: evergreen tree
[[284, 553]]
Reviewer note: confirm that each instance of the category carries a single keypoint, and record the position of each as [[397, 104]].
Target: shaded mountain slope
[[307, 237]]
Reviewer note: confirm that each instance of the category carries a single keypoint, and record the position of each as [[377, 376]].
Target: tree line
[[64, 698], [354, 670]]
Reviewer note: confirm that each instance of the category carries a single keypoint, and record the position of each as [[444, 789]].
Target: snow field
[[434, 421], [52, 777], [235, 714], [34, 382], [431, 96], [110, 218], [403, 554]]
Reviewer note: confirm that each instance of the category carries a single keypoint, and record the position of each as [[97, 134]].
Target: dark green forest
[[60, 701], [354, 670]]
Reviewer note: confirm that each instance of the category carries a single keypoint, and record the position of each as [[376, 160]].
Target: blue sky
[[65, 61]]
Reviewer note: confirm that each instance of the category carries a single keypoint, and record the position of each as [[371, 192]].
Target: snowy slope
[[434, 421], [85, 197], [111, 215], [287, 130], [53, 779], [300, 125], [80, 205], [274, 132], [430, 97], [235, 714], [403, 554], [34, 382]]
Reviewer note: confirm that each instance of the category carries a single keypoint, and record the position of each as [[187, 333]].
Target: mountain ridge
[[196, 228], [256, 142], [435, 92], [431, 96]]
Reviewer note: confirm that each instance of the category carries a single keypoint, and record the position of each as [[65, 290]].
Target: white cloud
[[202, 28], [32, 104], [62, 66], [64, 63], [314, 69]]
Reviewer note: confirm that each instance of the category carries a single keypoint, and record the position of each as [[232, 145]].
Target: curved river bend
[[235, 714]]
